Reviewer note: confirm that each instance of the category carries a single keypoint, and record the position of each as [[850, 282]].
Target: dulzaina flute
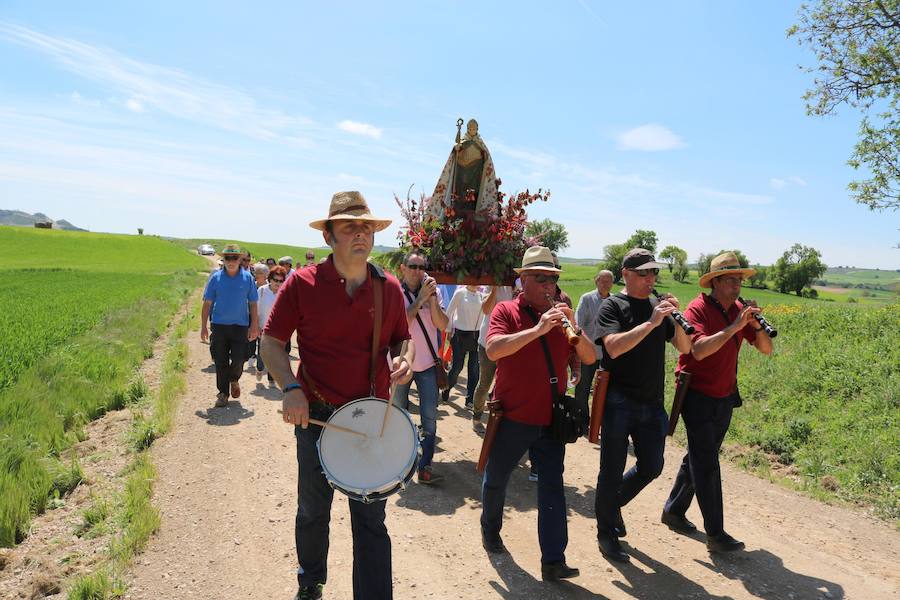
[[679, 318], [571, 335], [766, 326]]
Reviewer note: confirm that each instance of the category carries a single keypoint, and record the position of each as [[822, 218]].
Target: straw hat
[[350, 206], [726, 263], [538, 258], [231, 249]]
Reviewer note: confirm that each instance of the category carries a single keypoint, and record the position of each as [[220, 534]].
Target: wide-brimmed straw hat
[[538, 258], [726, 263], [231, 249], [350, 206]]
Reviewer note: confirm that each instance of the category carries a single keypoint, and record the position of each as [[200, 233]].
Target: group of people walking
[[511, 338]]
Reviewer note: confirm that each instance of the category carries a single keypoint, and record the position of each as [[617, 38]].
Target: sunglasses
[[230, 258], [273, 280], [645, 272], [416, 267], [541, 278]]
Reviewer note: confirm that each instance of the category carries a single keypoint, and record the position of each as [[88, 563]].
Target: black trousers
[[371, 542], [706, 420], [228, 346]]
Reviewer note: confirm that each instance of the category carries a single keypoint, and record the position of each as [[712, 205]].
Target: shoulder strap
[[422, 325], [378, 291], [546, 348]]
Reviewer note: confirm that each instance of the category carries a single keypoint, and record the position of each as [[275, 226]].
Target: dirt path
[[227, 492]]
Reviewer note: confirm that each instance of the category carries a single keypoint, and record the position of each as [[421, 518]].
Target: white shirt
[[504, 293], [264, 304], [464, 310]]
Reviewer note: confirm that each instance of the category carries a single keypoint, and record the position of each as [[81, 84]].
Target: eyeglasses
[[730, 279], [273, 280], [230, 258], [645, 272], [541, 278], [416, 267]]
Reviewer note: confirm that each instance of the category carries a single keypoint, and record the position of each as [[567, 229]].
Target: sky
[[240, 120]]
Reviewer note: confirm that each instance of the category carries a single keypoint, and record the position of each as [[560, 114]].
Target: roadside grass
[[259, 251], [134, 516], [69, 348]]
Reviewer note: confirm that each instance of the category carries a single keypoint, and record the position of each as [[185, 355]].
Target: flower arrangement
[[463, 244]]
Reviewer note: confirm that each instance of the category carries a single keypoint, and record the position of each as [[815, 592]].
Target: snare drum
[[371, 468]]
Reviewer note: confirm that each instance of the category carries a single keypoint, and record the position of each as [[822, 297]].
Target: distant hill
[[24, 219]]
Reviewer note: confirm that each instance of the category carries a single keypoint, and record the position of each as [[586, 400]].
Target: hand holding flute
[[573, 335], [676, 314], [766, 327]]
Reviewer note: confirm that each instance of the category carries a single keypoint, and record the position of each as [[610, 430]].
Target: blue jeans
[[706, 420], [426, 384], [458, 343], [512, 440], [371, 542], [646, 424]]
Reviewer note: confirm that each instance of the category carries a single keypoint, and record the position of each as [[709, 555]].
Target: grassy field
[[849, 276], [259, 251], [82, 312]]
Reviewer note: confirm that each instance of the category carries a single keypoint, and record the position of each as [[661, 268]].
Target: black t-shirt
[[640, 372]]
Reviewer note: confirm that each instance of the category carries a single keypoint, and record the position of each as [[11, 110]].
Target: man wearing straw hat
[[523, 389], [229, 303], [331, 307], [721, 324]]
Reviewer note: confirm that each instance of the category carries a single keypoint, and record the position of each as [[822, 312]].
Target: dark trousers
[[465, 344], [583, 389], [646, 424], [371, 542], [706, 421], [228, 346], [512, 440], [260, 365]]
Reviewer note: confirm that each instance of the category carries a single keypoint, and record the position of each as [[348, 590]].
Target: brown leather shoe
[[235, 389]]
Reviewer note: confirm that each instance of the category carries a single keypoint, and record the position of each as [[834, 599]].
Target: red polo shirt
[[715, 375], [334, 331], [523, 383]]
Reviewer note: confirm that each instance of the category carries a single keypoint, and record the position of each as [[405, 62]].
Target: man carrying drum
[[634, 330], [331, 306], [523, 389], [721, 324]]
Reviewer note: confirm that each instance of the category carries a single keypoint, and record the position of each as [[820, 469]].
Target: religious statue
[[468, 182]]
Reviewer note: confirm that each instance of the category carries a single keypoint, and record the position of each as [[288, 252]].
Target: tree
[[681, 272], [758, 279], [612, 259], [797, 268], [673, 255], [642, 238], [551, 234], [857, 46]]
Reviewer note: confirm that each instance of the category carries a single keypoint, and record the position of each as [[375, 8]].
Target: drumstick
[[333, 426], [387, 415]]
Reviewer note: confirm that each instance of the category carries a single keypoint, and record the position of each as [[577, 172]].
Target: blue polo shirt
[[230, 297]]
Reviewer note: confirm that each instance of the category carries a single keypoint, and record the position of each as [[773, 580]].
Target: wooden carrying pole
[[496, 415], [601, 384]]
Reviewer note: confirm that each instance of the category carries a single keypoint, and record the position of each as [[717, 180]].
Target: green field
[[82, 311], [849, 276], [259, 251]]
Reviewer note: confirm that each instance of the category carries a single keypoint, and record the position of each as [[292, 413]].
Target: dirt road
[[227, 493]]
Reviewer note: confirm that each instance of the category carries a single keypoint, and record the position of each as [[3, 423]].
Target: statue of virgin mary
[[468, 181]]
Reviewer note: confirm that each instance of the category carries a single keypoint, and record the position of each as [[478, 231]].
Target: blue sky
[[240, 120]]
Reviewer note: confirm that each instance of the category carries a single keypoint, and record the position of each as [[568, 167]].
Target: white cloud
[[166, 90], [651, 137], [134, 105], [777, 183], [360, 129]]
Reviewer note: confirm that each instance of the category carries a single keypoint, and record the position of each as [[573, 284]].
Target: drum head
[[363, 466]]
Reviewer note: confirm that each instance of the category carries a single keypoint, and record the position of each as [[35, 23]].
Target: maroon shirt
[[715, 375], [334, 331], [523, 382]]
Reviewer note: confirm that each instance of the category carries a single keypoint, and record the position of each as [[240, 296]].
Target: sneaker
[[221, 400], [470, 404], [532, 475], [477, 426], [309, 592], [428, 477], [235, 389]]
